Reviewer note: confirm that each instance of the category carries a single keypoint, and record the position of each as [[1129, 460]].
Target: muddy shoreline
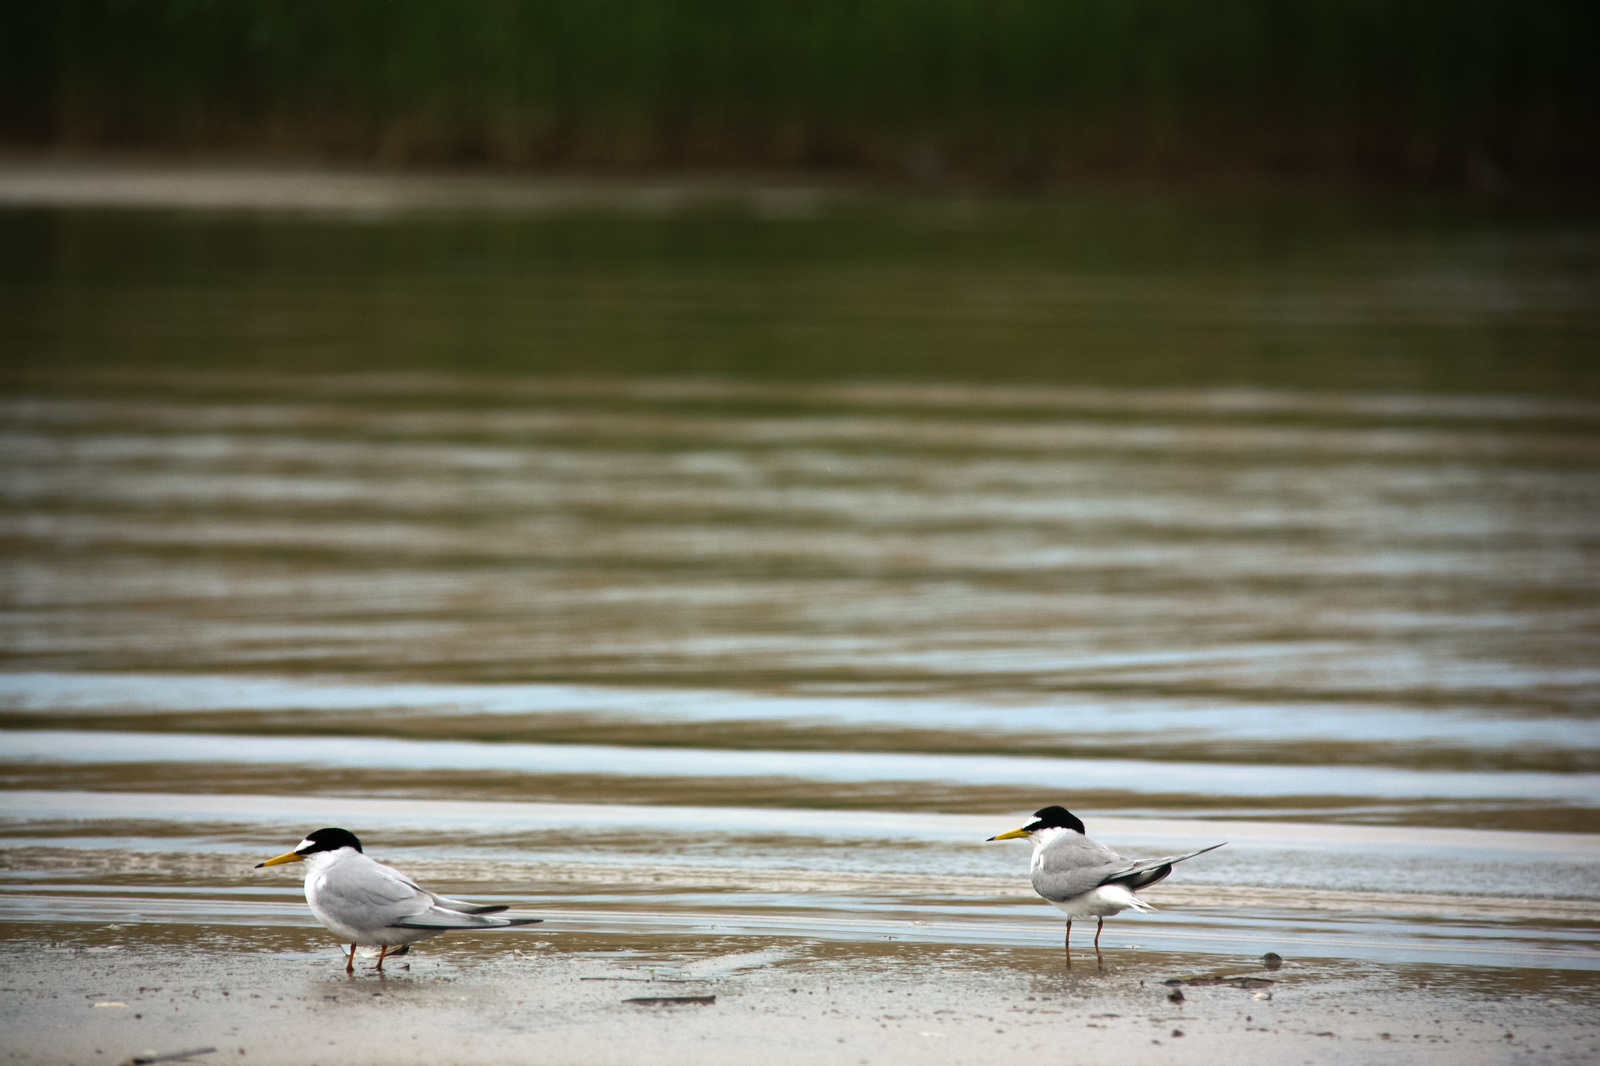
[[86, 994]]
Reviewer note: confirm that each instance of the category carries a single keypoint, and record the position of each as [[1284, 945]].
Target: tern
[[1083, 877], [372, 905]]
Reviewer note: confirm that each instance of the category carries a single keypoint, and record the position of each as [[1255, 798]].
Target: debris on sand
[[1219, 979], [144, 1058]]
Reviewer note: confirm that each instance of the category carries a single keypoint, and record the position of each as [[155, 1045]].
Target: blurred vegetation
[[1110, 292], [1004, 91]]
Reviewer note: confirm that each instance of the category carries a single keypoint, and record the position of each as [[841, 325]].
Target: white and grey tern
[[1083, 877], [373, 905]]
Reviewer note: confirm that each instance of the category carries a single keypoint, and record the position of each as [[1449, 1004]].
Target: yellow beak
[[1011, 835], [290, 856]]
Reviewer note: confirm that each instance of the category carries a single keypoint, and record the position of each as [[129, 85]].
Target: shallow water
[[643, 573]]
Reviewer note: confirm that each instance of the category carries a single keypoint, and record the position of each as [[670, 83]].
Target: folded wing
[[469, 908], [1072, 866], [380, 896], [444, 918]]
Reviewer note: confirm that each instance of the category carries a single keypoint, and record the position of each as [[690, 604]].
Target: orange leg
[[383, 953], [1097, 932], [350, 963]]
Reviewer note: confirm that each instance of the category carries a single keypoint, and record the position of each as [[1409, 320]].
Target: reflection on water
[[893, 515], [820, 771], [922, 552]]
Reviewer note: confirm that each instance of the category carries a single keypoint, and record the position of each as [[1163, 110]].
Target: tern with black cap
[[372, 905], [1083, 877]]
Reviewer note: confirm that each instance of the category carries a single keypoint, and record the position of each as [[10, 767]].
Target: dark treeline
[[1002, 91]]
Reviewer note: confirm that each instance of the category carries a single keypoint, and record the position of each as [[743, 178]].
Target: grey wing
[[377, 896], [1073, 865], [374, 895], [1147, 872], [468, 908], [443, 914], [444, 918]]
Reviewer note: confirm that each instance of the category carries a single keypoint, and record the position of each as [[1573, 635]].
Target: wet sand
[[281, 996]]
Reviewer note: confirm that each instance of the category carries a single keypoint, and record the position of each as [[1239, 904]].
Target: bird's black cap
[[328, 840], [1055, 818], [321, 840]]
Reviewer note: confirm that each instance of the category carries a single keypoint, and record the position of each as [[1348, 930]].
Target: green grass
[[1016, 91]]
